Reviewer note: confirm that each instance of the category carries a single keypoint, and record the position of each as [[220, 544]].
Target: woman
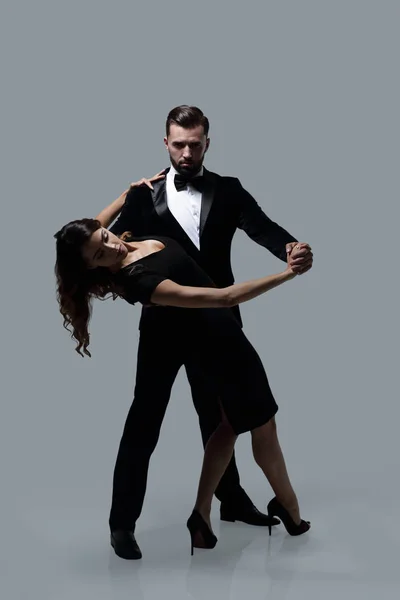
[[93, 262]]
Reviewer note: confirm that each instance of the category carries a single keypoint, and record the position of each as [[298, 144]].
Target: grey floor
[[55, 538], [55, 547]]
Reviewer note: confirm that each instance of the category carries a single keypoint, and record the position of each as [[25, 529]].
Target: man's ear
[[208, 141], [166, 143]]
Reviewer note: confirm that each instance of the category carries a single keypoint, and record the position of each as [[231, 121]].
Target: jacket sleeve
[[126, 219], [259, 227]]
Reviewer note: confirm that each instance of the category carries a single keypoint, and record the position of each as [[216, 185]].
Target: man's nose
[[187, 152]]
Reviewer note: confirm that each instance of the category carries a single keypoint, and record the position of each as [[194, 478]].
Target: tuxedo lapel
[[161, 207], [207, 199], [160, 199]]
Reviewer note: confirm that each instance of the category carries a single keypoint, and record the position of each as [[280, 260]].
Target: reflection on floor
[[55, 547]]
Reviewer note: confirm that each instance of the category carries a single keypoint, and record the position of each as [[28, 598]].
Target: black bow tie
[[181, 182]]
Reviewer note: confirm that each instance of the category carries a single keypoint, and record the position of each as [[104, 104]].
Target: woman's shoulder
[[136, 281]]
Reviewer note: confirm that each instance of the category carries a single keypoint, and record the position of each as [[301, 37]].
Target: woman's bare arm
[[111, 212], [169, 293]]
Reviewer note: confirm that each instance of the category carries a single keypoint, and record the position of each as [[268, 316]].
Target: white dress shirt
[[185, 206]]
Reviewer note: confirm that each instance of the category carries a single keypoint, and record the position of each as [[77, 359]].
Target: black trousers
[[160, 356]]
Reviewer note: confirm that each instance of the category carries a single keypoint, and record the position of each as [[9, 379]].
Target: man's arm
[[260, 228]]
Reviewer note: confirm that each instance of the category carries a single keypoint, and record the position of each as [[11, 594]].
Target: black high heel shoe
[[197, 525], [276, 509]]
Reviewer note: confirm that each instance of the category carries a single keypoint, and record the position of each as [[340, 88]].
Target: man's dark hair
[[187, 117]]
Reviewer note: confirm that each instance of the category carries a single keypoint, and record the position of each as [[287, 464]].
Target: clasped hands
[[299, 257], [299, 254]]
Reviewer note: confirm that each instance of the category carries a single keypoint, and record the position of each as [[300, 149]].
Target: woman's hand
[[147, 182], [293, 251], [144, 181], [111, 212], [299, 257]]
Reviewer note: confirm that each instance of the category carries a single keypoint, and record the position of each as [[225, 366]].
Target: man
[[201, 210]]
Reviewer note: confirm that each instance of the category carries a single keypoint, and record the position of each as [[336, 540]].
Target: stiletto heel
[[197, 525], [276, 509], [269, 524]]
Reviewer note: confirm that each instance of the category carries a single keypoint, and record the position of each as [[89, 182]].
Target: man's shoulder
[[140, 191], [223, 179]]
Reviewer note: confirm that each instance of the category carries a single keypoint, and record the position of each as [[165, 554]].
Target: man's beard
[[189, 171]]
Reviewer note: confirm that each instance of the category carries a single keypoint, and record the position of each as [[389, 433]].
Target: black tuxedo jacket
[[226, 206]]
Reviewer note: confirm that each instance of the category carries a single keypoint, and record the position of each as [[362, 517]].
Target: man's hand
[[299, 257]]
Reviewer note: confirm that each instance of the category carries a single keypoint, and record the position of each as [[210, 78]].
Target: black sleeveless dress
[[210, 336]]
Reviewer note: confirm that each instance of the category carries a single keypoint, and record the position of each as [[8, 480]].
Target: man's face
[[186, 148]]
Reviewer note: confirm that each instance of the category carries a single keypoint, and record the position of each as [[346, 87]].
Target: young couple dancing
[[165, 243]]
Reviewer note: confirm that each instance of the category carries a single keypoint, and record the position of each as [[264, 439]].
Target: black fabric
[[226, 207], [139, 282], [181, 182], [212, 346]]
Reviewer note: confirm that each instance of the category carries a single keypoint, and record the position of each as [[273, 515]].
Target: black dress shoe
[[124, 544], [247, 514]]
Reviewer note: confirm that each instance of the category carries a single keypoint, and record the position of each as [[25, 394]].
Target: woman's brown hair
[[76, 284]]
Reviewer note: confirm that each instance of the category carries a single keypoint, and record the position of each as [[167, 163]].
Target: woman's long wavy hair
[[77, 285]]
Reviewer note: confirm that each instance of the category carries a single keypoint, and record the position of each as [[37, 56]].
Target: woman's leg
[[205, 399], [217, 455], [268, 455]]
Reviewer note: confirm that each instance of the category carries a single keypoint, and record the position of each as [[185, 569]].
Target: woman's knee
[[225, 429], [267, 432]]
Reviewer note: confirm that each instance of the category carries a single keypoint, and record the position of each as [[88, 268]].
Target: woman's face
[[104, 249]]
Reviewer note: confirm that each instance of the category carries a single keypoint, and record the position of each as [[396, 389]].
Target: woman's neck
[[133, 248]]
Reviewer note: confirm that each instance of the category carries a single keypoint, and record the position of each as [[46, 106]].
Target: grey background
[[303, 102]]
